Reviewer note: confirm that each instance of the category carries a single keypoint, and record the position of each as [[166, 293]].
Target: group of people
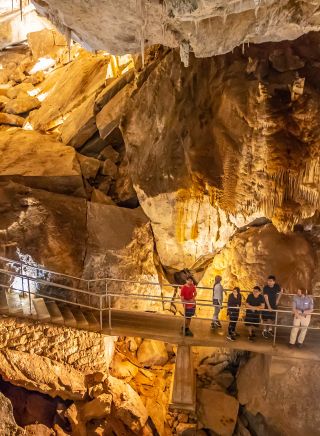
[[260, 305]]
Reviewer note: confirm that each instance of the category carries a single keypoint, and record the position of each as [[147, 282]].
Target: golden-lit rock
[[44, 375], [8, 424], [152, 353], [98, 196], [80, 125], [21, 88], [39, 161], [223, 416], [109, 168], [22, 105], [80, 80], [38, 430], [89, 166], [46, 43], [98, 408], [12, 120]]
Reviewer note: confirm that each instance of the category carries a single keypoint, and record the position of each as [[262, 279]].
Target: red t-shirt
[[188, 292]]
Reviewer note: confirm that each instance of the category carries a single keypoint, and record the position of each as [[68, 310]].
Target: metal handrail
[[117, 280]]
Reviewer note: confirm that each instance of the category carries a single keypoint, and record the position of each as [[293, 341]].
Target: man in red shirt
[[188, 295]]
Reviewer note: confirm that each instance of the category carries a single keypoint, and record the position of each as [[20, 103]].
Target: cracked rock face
[[205, 27], [229, 139]]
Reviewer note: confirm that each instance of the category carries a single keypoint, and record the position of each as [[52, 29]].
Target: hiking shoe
[[214, 325], [219, 324], [291, 345], [270, 333], [299, 345], [265, 334], [231, 338], [251, 338]]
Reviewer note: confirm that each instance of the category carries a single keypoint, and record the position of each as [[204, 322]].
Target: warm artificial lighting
[[27, 126], [41, 97], [42, 65], [33, 92], [118, 65]]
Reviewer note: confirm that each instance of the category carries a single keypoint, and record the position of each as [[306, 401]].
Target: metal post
[[88, 289], [275, 330], [109, 305], [21, 272], [184, 319], [100, 298], [29, 295]]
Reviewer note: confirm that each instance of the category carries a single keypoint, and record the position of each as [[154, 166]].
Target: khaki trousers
[[299, 323]]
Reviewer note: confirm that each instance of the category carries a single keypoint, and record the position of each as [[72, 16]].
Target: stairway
[[47, 310]]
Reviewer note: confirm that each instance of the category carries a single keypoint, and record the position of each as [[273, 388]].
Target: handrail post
[[275, 330], [29, 295], [109, 305], [184, 319], [22, 279], [88, 290], [100, 310]]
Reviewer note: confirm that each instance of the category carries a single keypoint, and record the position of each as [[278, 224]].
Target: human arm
[[267, 304], [310, 310], [295, 310], [279, 295]]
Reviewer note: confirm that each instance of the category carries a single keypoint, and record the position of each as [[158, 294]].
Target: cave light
[[42, 65], [27, 126]]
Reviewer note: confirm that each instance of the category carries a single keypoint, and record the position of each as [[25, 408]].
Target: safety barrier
[[38, 283]]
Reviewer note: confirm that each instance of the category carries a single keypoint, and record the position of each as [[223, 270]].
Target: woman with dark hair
[[255, 303], [302, 309], [234, 304]]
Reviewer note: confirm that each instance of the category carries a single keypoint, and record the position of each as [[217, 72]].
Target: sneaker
[[219, 324], [231, 338], [291, 345], [270, 333], [251, 338], [214, 325], [265, 334], [189, 332], [237, 335], [299, 345]]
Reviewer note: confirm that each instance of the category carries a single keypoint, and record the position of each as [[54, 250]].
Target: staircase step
[[14, 303], [3, 301], [68, 316], [80, 318], [41, 309], [54, 311], [94, 324]]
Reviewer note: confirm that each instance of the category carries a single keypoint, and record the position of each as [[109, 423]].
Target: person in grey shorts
[[217, 300]]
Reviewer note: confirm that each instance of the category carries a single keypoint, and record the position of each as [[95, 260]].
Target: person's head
[[256, 291], [236, 291], [189, 281], [271, 281], [217, 279], [302, 291]]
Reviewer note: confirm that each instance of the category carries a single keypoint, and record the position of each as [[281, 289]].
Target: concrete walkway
[[168, 328]]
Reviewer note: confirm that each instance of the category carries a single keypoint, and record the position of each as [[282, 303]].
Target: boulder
[[41, 374], [184, 429], [80, 80], [127, 404], [109, 117], [265, 381], [11, 120], [22, 105], [211, 371], [80, 124], [39, 161], [16, 90], [29, 217], [8, 426], [109, 153], [78, 426], [47, 43], [98, 196], [89, 166], [152, 353], [217, 411], [109, 169], [122, 368], [35, 78], [93, 146], [98, 408], [38, 430]]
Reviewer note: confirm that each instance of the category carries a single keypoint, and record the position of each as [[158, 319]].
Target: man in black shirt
[[254, 304], [272, 293]]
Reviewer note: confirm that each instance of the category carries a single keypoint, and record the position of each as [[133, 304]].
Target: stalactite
[[21, 9]]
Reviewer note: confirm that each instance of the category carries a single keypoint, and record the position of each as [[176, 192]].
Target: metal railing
[[102, 301]]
